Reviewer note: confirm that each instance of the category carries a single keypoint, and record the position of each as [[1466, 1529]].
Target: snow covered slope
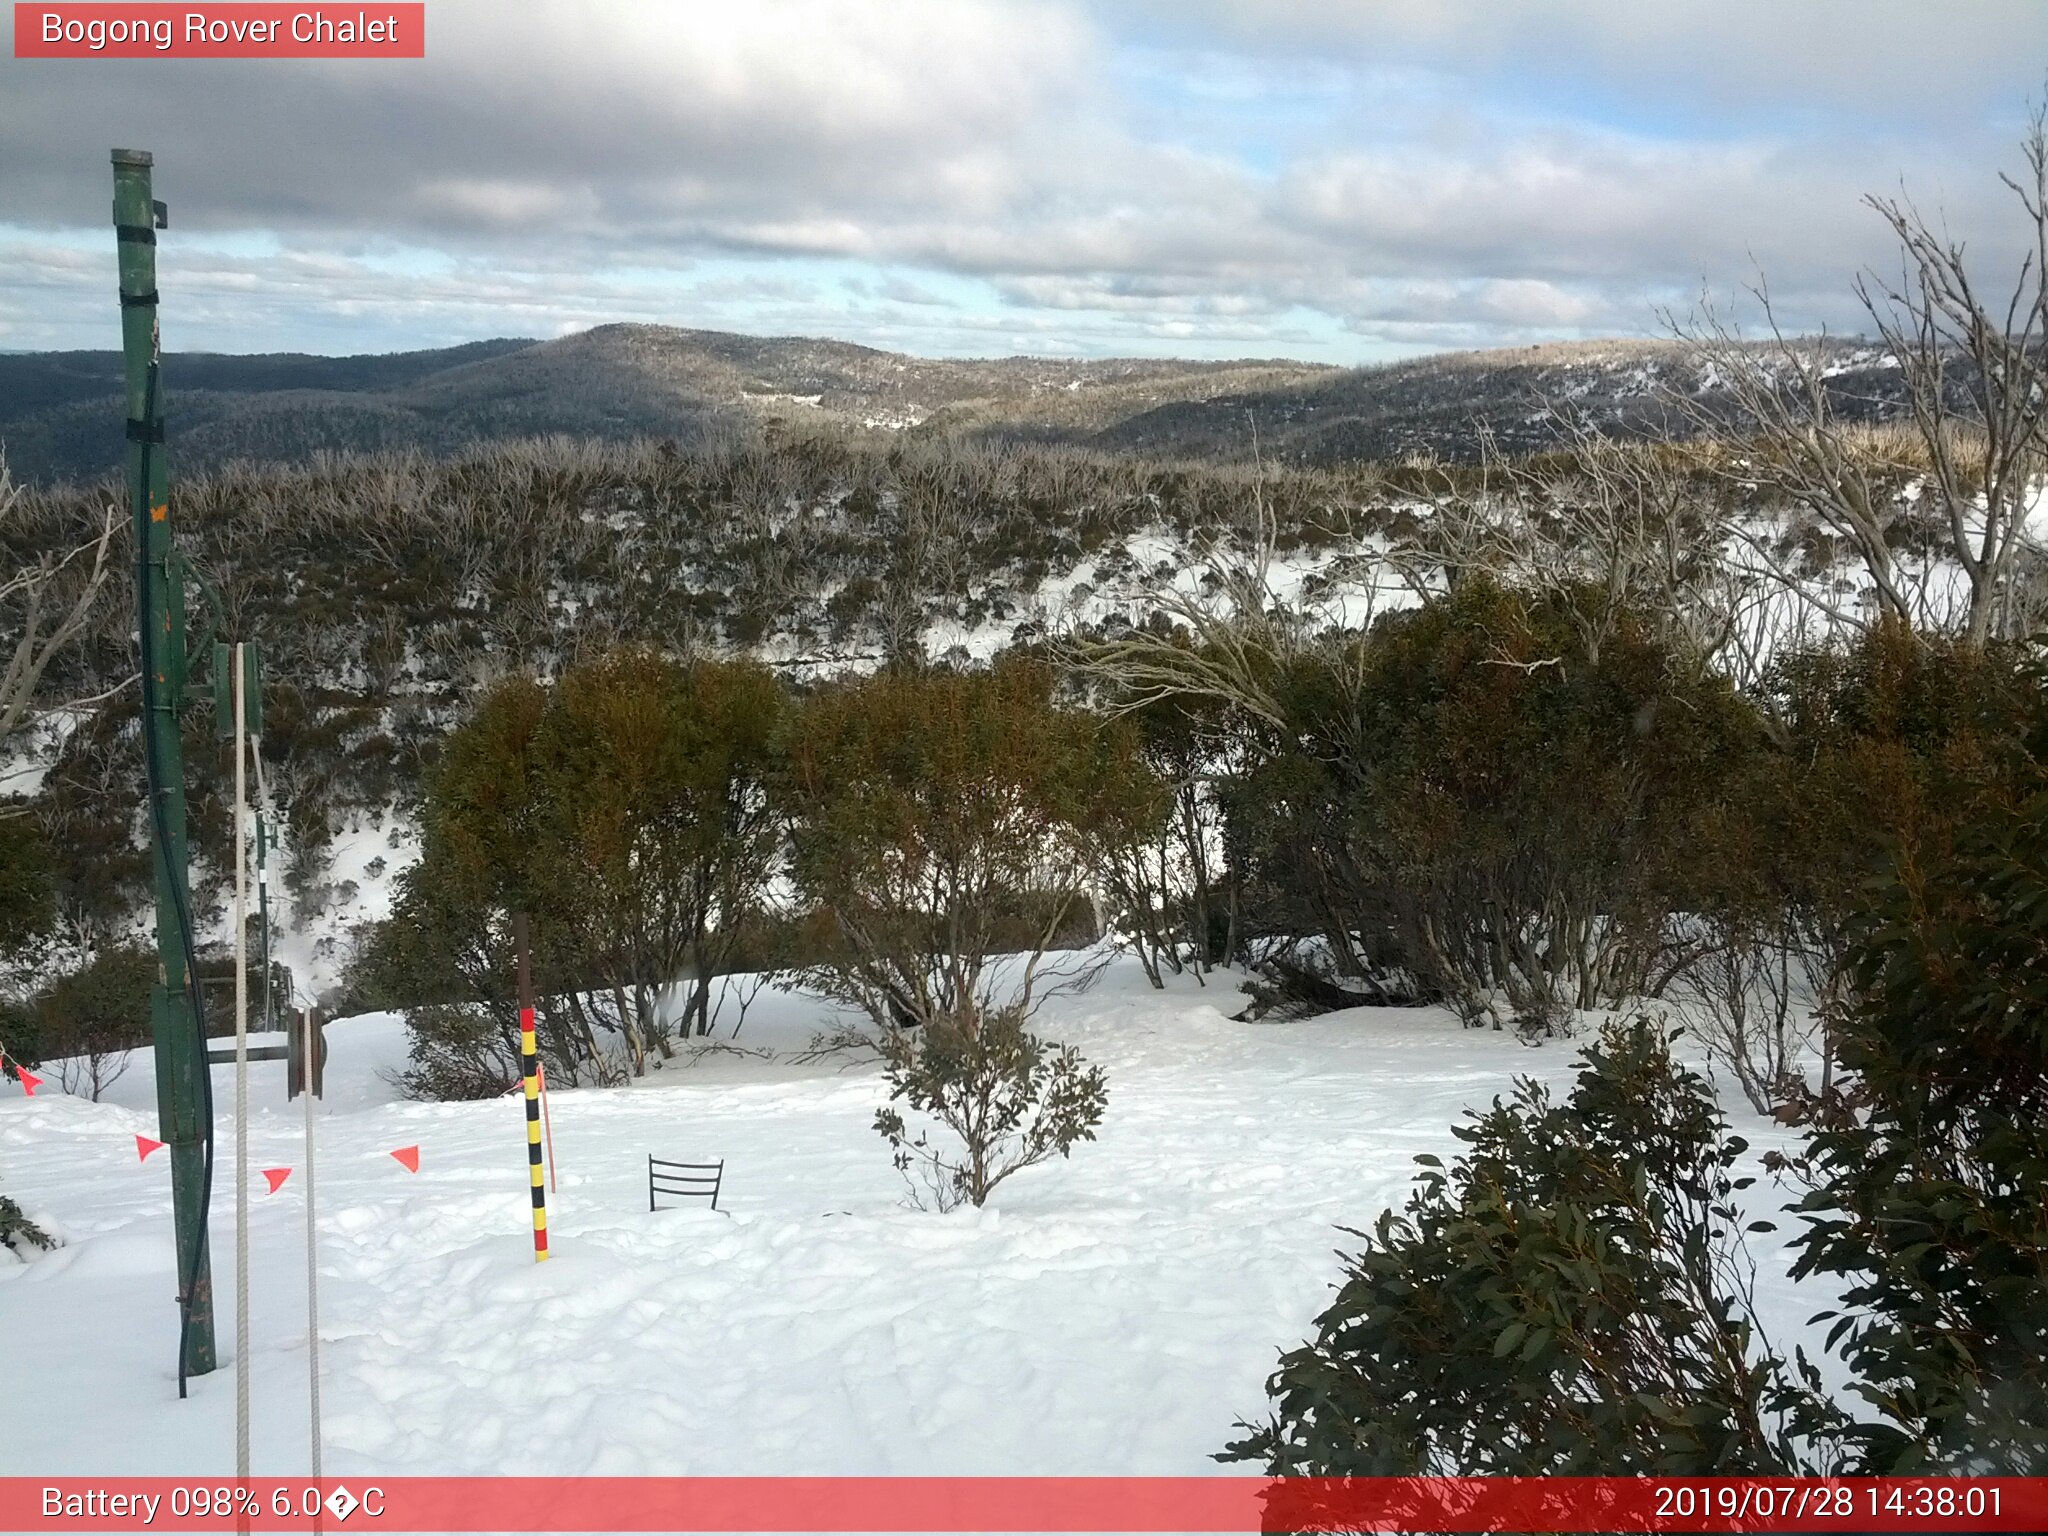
[[1114, 1314]]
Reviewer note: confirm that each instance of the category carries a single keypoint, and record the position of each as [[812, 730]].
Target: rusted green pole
[[184, 1099]]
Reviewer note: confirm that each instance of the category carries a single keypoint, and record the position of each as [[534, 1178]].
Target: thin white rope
[[311, 1023], [241, 1075], [269, 814]]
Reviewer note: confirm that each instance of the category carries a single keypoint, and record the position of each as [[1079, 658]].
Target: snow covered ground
[[1114, 1314]]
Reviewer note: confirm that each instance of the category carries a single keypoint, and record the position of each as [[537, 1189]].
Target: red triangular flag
[[29, 1081], [410, 1156], [277, 1176], [144, 1146]]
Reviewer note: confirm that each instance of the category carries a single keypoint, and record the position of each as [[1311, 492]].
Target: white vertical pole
[[310, 1022], [241, 1075]]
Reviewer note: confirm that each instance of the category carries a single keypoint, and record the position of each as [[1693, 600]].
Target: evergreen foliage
[[945, 824], [624, 810], [18, 1038], [1471, 795], [1880, 753], [1928, 1194], [940, 820], [17, 1233], [27, 885], [1569, 1297], [1010, 1099]]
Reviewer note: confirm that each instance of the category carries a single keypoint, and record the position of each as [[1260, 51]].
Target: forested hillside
[[388, 590], [60, 413]]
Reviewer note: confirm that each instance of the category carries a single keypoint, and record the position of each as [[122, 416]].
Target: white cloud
[[1406, 172], [1878, 59]]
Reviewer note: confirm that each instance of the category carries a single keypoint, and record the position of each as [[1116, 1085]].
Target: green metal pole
[[183, 1100]]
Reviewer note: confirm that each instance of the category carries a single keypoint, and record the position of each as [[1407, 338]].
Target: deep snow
[[1112, 1314]]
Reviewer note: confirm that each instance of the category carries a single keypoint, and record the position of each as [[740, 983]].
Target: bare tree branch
[[1973, 370], [44, 606]]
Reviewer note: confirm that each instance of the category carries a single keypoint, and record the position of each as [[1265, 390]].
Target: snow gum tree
[[943, 825], [656, 823], [1465, 795], [1968, 344], [46, 604], [625, 809]]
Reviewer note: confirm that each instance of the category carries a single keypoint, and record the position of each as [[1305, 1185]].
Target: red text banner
[[220, 31], [1017, 1504]]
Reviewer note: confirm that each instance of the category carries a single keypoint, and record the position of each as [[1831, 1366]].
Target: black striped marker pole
[[529, 1061]]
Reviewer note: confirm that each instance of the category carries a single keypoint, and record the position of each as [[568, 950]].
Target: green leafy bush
[[624, 808], [945, 823], [27, 887], [1880, 756], [17, 1233], [1928, 1197], [1568, 1297], [1468, 795], [1010, 1099]]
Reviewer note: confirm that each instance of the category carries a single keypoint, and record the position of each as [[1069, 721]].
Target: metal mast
[[184, 1087]]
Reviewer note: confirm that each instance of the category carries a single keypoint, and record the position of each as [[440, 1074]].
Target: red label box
[[370, 30]]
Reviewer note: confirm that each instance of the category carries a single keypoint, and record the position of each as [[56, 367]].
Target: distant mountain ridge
[[60, 412], [1437, 405]]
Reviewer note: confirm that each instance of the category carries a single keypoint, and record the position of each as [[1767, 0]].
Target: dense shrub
[[1881, 755], [1570, 1296], [445, 953], [1928, 1196], [19, 1040], [944, 820], [624, 809], [1467, 795], [1890, 747], [90, 1020], [945, 824], [27, 886], [655, 840]]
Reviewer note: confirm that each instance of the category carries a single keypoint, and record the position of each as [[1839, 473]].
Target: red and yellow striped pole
[[529, 1061]]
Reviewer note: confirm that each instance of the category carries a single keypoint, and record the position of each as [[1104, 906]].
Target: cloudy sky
[[1339, 180]]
